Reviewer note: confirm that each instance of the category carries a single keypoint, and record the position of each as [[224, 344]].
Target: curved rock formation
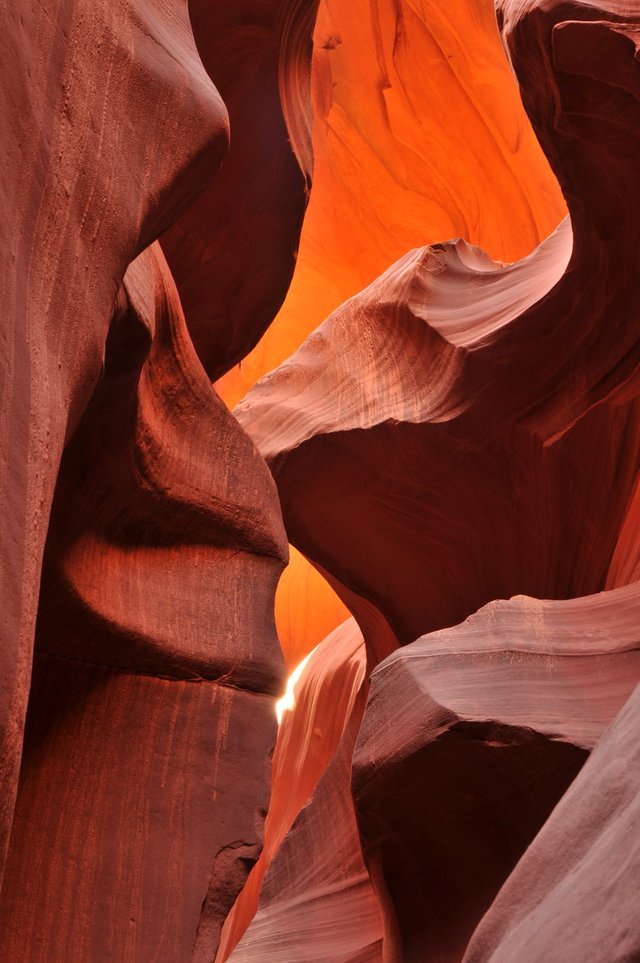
[[465, 428], [317, 902], [392, 171], [470, 737], [460, 423], [413, 505], [90, 90], [150, 719], [232, 254], [573, 895], [309, 735]]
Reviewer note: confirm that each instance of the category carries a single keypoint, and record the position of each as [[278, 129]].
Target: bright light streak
[[288, 700]]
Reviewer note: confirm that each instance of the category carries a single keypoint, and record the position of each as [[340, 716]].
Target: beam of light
[[288, 700]]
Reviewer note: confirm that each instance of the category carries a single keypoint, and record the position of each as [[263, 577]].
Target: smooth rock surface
[[470, 737], [574, 894], [233, 252], [317, 902], [151, 717], [91, 89], [294, 891]]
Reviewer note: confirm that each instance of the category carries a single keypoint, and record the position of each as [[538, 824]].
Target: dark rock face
[[233, 252], [573, 894]]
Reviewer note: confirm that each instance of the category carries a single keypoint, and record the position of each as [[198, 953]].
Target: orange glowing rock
[[426, 439], [307, 609], [418, 135], [312, 726], [391, 172]]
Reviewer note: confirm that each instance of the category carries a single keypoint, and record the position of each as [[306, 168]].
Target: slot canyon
[[320, 488]]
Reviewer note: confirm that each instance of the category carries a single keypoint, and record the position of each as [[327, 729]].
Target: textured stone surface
[[463, 428], [145, 779], [90, 90], [470, 737], [391, 171], [233, 252], [423, 496], [573, 895], [317, 902], [305, 885]]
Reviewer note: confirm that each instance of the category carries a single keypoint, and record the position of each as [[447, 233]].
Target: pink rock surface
[[574, 894], [470, 737]]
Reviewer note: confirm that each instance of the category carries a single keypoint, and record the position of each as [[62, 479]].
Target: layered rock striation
[[470, 738]]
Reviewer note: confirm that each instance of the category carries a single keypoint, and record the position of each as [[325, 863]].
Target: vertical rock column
[[110, 128], [145, 778]]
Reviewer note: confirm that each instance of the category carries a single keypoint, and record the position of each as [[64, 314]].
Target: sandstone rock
[[418, 500], [233, 252], [110, 128], [317, 903], [573, 895], [418, 134], [470, 737], [300, 889], [145, 778], [463, 430]]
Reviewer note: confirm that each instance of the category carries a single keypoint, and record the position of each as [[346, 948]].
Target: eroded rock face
[[310, 873], [428, 437], [233, 252], [465, 430], [90, 91], [150, 719], [392, 171], [470, 737], [145, 773], [317, 902], [461, 430], [461, 505]]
